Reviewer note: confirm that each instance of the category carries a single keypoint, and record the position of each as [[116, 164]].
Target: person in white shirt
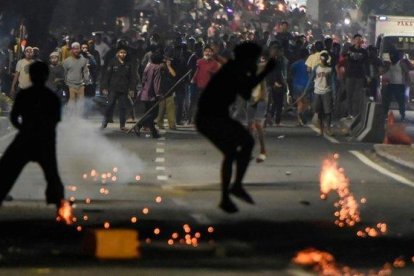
[[21, 77], [323, 77]]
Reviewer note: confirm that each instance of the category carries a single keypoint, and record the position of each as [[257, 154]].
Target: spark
[[170, 242], [72, 199], [145, 211], [210, 229], [107, 225], [197, 235], [158, 199], [115, 169], [85, 218], [134, 219], [88, 200], [93, 173], [174, 235], [65, 212], [333, 178], [79, 228], [148, 240], [85, 176], [114, 178], [399, 263], [138, 178], [157, 231]]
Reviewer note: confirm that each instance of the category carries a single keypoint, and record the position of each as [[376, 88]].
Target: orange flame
[[333, 178], [65, 212], [323, 263]]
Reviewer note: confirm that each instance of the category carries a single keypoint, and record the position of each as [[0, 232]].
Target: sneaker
[[240, 193], [261, 158], [124, 129], [104, 125], [155, 135], [137, 130], [228, 206]]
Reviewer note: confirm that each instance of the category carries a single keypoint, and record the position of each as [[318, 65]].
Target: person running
[[323, 78], [35, 113], [237, 77]]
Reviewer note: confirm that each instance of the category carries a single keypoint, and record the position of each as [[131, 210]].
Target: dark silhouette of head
[[39, 72], [247, 51], [395, 56], [247, 54]]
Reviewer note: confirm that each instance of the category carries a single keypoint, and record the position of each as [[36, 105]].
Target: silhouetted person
[[35, 113], [237, 77]]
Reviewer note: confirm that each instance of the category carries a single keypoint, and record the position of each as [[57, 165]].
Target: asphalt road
[[182, 170]]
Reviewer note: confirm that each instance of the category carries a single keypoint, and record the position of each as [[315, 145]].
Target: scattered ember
[[333, 178], [134, 219], [210, 229], [399, 262], [158, 199], [79, 228], [88, 200], [93, 173], [186, 228], [107, 225], [72, 188], [137, 178], [114, 178], [85, 218], [72, 199], [157, 231], [115, 169], [197, 235], [145, 211], [85, 176], [323, 263], [175, 236], [170, 242], [148, 240]]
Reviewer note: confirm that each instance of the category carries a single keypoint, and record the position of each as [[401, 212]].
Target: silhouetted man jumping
[[237, 77], [35, 113]]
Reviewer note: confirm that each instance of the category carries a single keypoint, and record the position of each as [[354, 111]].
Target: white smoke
[[81, 148]]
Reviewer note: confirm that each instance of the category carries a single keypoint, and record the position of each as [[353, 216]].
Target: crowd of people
[[336, 76]]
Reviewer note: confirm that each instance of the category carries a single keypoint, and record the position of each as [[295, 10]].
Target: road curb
[[380, 150]]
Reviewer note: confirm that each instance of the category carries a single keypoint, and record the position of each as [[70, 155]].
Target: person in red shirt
[[206, 68]]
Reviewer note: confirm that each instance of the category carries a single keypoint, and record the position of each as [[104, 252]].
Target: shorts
[[256, 112], [322, 103]]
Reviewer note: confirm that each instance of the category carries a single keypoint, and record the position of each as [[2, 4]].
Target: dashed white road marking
[[159, 160], [381, 170], [329, 138], [180, 202], [201, 218], [160, 168], [161, 139], [160, 150], [161, 144], [162, 177]]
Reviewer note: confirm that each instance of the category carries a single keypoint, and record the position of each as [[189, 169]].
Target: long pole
[[158, 102]]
